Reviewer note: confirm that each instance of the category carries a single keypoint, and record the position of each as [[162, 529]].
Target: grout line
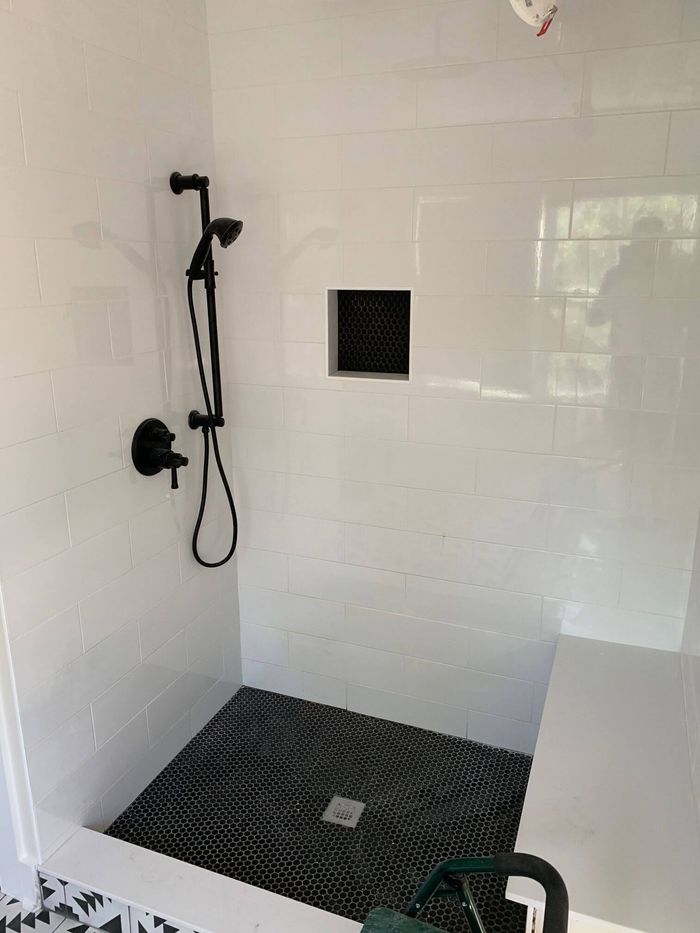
[[22, 129], [86, 76], [668, 141]]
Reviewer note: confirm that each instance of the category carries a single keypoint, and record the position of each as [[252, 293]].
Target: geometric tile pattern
[[52, 893], [245, 799], [15, 919], [89, 908], [141, 922], [104, 913]]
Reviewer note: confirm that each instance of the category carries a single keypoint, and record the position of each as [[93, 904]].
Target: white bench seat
[[609, 802]]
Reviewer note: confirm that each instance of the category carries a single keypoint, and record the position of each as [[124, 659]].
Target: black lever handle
[[174, 461]]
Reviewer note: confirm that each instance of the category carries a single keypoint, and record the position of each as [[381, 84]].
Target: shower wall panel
[[412, 550], [122, 647], [690, 660]]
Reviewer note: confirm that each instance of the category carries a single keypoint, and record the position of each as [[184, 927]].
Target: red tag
[[545, 25]]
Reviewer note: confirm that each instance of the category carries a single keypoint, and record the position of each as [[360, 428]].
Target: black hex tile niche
[[369, 332], [245, 798]]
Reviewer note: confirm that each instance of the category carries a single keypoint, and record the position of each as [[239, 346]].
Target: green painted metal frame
[[449, 880]]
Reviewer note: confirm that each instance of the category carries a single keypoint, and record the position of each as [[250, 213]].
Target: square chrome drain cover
[[344, 812]]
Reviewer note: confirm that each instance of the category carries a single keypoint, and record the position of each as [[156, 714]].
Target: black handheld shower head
[[226, 229]]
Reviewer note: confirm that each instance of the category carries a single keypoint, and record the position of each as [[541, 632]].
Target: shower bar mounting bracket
[[180, 182]]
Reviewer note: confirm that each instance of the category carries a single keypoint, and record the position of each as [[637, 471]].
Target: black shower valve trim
[[151, 450]]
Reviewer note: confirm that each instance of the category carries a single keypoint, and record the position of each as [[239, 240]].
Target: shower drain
[[344, 812]]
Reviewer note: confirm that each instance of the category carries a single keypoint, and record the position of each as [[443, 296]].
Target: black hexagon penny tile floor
[[245, 798]]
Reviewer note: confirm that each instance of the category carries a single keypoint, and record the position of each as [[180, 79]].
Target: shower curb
[[146, 892]]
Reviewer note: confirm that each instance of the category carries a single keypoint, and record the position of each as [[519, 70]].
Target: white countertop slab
[[609, 802], [183, 893]]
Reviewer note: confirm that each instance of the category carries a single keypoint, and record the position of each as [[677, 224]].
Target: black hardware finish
[[209, 287], [152, 450], [180, 183], [202, 268]]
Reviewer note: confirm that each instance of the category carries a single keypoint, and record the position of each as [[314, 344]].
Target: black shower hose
[[217, 454]]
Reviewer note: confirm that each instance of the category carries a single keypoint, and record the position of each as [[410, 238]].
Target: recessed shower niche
[[369, 333]]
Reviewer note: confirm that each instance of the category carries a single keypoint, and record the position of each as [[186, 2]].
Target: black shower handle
[[174, 461], [163, 434]]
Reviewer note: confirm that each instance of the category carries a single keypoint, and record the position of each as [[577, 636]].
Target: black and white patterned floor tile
[[141, 922], [88, 909], [72, 926], [15, 919], [90, 912]]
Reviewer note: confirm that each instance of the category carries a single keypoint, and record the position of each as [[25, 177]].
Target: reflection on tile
[[678, 269], [642, 207], [683, 154], [538, 268], [493, 212]]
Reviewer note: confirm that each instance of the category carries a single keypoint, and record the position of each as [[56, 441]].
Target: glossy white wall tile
[[419, 36], [442, 156], [682, 144], [690, 663], [655, 77], [501, 92], [543, 453], [409, 710], [590, 147], [99, 103], [413, 550]]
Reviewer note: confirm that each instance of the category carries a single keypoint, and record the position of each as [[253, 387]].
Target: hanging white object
[[538, 13]]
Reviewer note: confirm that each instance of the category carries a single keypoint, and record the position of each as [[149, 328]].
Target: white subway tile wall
[[121, 649], [690, 664], [413, 550]]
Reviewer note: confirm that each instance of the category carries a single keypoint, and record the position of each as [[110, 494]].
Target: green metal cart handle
[[448, 879]]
